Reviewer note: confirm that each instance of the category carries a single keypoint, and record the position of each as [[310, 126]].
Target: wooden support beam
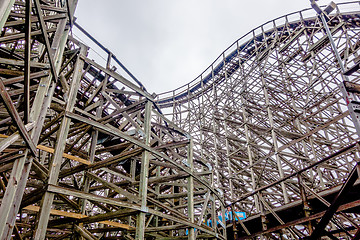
[[85, 233], [165, 228], [19, 79], [190, 191], [93, 197], [13, 196], [16, 118], [65, 155], [50, 51], [79, 194], [13, 138], [50, 18], [54, 170], [325, 159], [115, 188], [18, 36], [319, 228], [119, 78], [112, 160], [3, 187], [113, 131], [103, 218], [21, 167], [183, 194], [299, 221], [25, 64], [5, 8], [99, 218], [144, 175], [27, 60]]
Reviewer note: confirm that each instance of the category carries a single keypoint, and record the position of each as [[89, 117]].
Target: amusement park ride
[[264, 144]]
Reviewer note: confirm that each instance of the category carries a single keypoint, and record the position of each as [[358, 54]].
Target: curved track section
[[269, 116], [84, 151]]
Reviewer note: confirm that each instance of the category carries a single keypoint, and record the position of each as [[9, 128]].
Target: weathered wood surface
[[83, 147]]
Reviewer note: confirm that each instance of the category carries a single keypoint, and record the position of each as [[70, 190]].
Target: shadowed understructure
[[270, 130]]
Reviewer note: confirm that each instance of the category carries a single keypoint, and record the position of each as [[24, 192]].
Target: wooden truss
[[85, 153], [269, 116]]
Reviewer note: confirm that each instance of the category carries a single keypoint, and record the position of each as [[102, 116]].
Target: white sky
[[168, 43]]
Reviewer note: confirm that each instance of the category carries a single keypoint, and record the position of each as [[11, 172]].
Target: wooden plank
[[65, 155], [102, 217], [22, 63], [35, 19], [62, 213], [14, 37], [51, 150], [89, 196]]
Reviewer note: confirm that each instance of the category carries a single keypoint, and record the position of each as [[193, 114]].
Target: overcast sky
[[167, 43]]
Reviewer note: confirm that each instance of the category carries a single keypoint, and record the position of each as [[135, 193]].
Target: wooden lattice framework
[[270, 117], [85, 153]]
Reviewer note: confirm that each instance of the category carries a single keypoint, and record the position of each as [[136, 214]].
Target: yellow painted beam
[[33, 208], [65, 155], [51, 150]]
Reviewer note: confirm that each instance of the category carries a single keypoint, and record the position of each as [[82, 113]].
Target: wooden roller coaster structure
[[270, 129]]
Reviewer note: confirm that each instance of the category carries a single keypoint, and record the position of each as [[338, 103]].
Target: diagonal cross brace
[[319, 228], [16, 118], [49, 50]]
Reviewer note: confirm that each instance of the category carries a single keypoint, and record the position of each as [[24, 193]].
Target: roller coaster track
[[87, 153], [244, 50], [269, 116]]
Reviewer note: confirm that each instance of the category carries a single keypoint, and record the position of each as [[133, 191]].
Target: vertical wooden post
[[274, 138], [27, 60], [191, 233], [59, 150], [233, 219], [140, 223], [305, 203], [157, 190], [15, 188]]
